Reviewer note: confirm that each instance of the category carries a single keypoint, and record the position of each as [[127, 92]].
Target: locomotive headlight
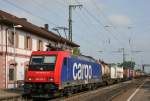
[[51, 79], [29, 79]]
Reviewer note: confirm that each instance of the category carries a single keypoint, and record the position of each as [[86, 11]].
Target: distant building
[[18, 38]]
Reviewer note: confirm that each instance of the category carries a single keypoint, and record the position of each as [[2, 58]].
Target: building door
[[12, 75]]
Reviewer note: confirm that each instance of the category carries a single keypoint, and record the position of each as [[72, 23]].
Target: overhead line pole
[[70, 23], [123, 55], [70, 19]]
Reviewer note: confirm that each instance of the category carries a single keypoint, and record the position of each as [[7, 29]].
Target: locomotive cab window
[[43, 63], [50, 59], [37, 60]]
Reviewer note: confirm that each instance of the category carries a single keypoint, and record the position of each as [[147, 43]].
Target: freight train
[[52, 73]]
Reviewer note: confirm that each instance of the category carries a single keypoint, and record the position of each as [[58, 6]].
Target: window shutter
[[37, 45], [41, 45], [25, 41], [17, 40], [30, 43]]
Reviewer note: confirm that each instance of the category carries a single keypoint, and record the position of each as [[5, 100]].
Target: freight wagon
[[131, 74], [116, 73], [126, 74], [105, 72], [111, 73]]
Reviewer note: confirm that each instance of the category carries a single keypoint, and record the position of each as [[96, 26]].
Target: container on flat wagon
[[137, 74], [126, 73], [134, 75], [116, 72], [113, 72], [105, 67], [131, 75], [120, 72]]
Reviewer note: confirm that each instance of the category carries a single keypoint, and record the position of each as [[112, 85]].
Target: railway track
[[103, 93], [100, 94]]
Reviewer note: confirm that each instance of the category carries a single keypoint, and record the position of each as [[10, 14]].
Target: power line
[[88, 19], [27, 11], [61, 3], [45, 8], [82, 19], [104, 16], [87, 25], [64, 4], [98, 21]]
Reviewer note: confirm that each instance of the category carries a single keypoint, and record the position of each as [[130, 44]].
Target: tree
[[128, 64], [139, 70], [76, 51]]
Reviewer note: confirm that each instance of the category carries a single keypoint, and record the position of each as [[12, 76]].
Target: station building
[[18, 38]]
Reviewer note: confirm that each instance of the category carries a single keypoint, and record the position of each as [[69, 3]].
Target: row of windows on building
[[13, 40]]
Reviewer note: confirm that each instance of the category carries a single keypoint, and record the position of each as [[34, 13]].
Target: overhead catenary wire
[[98, 21], [46, 19], [45, 8], [29, 12], [88, 25], [95, 26], [84, 21], [109, 32], [104, 17], [110, 24]]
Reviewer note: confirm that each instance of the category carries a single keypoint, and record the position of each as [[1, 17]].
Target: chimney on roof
[[24, 19], [46, 26]]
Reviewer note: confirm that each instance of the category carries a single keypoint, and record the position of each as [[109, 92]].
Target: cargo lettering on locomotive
[[82, 71]]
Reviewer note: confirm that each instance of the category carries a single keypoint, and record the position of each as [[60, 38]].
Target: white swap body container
[[116, 72]]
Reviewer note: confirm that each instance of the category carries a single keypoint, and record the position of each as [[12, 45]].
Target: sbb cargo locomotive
[[58, 72]]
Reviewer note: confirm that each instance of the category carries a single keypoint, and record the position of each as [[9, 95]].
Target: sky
[[100, 27]]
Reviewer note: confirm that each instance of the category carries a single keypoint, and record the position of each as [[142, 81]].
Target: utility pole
[[123, 54], [143, 68], [70, 19]]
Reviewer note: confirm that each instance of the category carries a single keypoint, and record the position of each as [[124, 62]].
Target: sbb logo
[[82, 71]]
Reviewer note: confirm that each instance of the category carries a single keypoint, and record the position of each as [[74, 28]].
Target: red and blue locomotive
[[58, 72]]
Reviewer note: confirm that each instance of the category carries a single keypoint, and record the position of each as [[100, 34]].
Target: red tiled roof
[[27, 26]]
